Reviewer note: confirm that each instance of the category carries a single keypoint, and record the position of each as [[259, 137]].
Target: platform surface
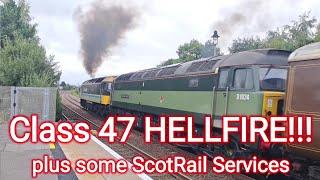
[[15, 159], [95, 149]]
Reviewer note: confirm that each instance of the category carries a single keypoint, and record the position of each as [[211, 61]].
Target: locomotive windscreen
[[273, 78]]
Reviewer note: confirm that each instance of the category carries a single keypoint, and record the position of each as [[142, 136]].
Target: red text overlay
[[181, 129]]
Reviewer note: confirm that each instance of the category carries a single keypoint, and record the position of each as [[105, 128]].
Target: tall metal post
[[214, 50], [215, 38]]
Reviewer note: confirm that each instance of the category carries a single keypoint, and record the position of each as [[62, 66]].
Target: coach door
[[220, 96]]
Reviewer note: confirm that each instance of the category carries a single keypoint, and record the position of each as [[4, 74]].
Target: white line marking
[[118, 156]]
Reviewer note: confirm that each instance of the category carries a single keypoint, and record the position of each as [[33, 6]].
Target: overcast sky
[[162, 26]]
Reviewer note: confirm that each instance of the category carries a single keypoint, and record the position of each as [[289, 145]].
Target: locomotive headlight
[[269, 113], [269, 103], [269, 107]]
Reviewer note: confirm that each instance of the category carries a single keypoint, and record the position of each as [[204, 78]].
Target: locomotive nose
[[273, 103]]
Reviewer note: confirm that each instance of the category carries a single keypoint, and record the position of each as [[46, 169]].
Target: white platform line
[[118, 156]]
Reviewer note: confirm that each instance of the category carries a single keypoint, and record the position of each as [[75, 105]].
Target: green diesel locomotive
[[245, 83]]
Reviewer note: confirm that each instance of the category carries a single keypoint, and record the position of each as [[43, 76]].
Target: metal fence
[[27, 101], [5, 103]]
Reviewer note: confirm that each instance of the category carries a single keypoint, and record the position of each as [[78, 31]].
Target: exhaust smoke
[[101, 28]]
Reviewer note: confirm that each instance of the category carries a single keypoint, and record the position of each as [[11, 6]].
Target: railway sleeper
[[303, 168], [230, 150]]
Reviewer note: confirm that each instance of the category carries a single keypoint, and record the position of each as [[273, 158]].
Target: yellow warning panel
[[105, 100]]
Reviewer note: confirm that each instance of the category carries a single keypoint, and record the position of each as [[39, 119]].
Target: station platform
[[95, 149], [15, 159]]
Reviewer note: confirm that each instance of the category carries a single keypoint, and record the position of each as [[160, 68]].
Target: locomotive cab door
[[220, 96]]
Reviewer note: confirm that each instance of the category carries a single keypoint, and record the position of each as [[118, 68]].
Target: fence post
[[46, 101], [13, 101]]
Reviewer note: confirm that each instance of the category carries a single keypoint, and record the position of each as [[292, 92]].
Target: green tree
[[24, 63], [15, 19], [190, 51], [289, 37], [207, 49], [293, 36], [23, 60], [63, 84], [317, 37], [246, 44]]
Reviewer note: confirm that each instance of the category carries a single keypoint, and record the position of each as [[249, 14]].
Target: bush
[[58, 107]]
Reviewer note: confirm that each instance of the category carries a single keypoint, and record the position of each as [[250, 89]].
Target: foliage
[[75, 92], [24, 63], [191, 51], [58, 107], [66, 86], [246, 44], [289, 37], [317, 37], [63, 84], [207, 49], [23, 60], [15, 19]]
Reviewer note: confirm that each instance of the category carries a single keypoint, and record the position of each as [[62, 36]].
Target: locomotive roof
[[210, 64], [99, 80], [257, 57], [308, 52]]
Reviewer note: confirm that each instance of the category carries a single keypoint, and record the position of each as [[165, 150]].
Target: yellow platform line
[[94, 132], [52, 146]]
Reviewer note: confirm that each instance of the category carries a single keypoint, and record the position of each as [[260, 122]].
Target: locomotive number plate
[[243, 97]]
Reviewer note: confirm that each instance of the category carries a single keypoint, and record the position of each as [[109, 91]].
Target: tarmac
[[15, 159]]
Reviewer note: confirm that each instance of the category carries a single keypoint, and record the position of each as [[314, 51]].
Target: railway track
[[73, 111], [126, 150]]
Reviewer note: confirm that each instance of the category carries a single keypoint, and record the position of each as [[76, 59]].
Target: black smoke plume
[[101, 28]]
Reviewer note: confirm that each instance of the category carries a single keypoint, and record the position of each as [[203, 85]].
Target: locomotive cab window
[[223, 78], [109, 86], [273, 78], [243, 79], [106, 88]]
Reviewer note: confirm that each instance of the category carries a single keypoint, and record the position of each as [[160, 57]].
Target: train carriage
[[245, 83], [303, 98]]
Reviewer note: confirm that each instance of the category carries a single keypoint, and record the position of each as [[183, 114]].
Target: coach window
[[97, 89], [85, 89], [223, 78], [90, 89], [104, 89], [243, 79]]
